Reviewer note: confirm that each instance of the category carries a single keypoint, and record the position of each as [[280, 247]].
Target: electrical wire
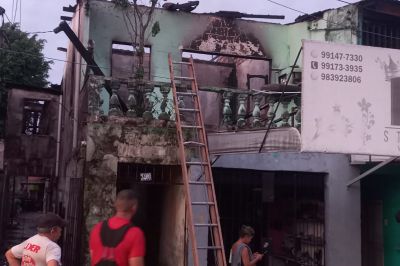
[[14, 17], [7, 17], [37, 32], [20, 12], [12, 9], [50, 58]]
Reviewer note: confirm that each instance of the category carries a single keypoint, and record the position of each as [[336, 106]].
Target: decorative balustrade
[[257, 109], [237, 109], [130, 98]]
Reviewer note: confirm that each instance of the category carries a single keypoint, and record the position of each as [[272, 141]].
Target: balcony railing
[[149, 100], [224, 109]]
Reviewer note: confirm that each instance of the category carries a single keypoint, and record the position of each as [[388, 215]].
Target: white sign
[[145, 177], [350, 99]]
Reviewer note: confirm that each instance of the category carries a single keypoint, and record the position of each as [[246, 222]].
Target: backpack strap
[[112, 237]]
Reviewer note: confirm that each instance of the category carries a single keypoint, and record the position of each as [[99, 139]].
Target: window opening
[[124, 61], [33, 117], [226, 71]]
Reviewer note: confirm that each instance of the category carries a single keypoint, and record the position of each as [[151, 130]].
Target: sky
[[44, 15]]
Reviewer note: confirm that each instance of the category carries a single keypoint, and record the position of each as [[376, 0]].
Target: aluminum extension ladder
[[193, 151]]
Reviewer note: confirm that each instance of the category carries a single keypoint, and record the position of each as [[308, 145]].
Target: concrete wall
[[342, 205], [130, 141], [172, 243], [74, 111]]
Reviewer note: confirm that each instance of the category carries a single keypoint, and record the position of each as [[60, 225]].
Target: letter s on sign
[[386, 137]]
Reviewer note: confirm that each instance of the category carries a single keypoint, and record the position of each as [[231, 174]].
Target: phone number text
[[342, 67], [341, 78], [341, 56]]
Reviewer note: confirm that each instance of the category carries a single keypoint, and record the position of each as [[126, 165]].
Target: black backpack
[[110, 238]]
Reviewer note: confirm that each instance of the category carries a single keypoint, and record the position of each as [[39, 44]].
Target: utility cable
[[14, 17], [7, 17], [36, 32], [12, 9], [20, 12]]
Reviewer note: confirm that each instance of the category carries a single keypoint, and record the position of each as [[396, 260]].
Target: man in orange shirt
[[116, 241]]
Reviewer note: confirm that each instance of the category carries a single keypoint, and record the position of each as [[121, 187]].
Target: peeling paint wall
[[224, 36], [121, 140]]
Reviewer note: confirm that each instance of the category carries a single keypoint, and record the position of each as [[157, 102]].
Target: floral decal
[[318, 125], [368, 119], [340, 123]]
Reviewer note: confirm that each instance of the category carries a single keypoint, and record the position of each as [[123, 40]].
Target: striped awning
[[278, 139]]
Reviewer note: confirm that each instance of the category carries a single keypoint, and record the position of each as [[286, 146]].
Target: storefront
[[286, 209]]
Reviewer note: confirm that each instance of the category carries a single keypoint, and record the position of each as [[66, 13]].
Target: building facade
[[30, 157], [299, 202]]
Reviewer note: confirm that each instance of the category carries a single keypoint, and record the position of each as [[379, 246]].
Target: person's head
[[50, 225], [126, 203], [246, 234]]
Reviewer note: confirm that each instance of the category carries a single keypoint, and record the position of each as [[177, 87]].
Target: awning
[[370, 171], [278, 139]]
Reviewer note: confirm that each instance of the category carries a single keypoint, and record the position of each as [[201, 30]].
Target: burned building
[[299, 202], [31, 148]]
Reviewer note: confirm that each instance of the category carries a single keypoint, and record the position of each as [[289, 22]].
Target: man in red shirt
[[116, 239]]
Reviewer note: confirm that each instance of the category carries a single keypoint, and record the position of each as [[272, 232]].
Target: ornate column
[[271, 108], [297, 101], [256, 111], [115, 107], [226, 110], [148, 105], [164, 103], [241, 122], [95, 85], [285, 112], [132, 102], [181, 105]]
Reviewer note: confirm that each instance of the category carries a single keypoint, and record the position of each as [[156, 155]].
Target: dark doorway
[[152, 182]]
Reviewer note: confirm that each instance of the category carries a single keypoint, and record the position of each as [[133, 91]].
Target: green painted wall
[[280, 43], [385, 186]]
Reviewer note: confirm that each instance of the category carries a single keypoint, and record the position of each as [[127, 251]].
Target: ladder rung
[[193, 143], [182, 63], [206, 225], [202, 203], [199, 183], [189, 126], [188, 110], [183, 78], [186, 93], [197, 163], [210, 247]]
